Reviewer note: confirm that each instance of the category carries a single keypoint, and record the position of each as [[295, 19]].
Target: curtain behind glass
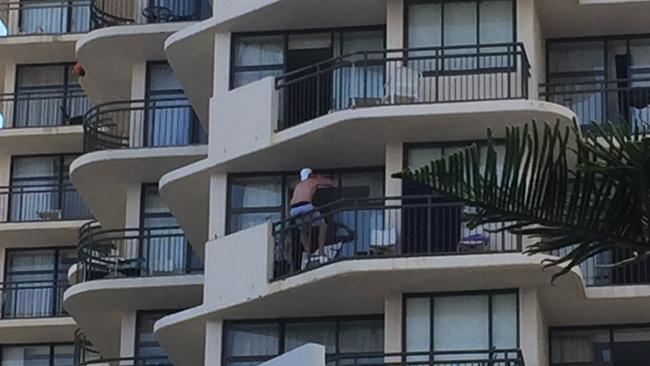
[[31, 278], [34, 182], [40, 96], [43, 16], [25, 356]]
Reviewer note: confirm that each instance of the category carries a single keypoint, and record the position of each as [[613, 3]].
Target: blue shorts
[[304, 216]]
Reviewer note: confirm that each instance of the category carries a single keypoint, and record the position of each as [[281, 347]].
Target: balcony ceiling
[[104, 177], [38, 48], [578, 18], [198, 40], [41, 140], [108, 56]]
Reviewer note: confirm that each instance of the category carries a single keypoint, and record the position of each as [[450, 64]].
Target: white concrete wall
[[532, 328], [213, 342], [128, 334], [308, 355], [243, 120]]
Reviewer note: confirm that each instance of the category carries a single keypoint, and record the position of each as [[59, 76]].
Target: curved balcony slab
[[97, 306], [46, 48], [40, 233], [41, 140], [187, 193], [108, 55], [257, 15], [324, 140], [40, 330], [103, 178]]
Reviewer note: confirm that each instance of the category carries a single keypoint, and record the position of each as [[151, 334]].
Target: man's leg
[[305, 240]]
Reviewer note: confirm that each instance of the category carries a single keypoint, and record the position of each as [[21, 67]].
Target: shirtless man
[[301, 204]]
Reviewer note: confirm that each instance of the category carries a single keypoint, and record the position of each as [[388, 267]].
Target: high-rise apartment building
[[145, 214]]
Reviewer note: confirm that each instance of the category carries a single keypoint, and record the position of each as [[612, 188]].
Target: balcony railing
[[403, 76], [384, 227], [43, 108], [107, 13], [32, 299], [54, 202], [493, 357], [603, 100], [142, 123], [85, 354], [139, 252], [44, 17]]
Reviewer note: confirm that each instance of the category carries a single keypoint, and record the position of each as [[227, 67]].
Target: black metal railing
[[32, 299], [44, 17], [85, 354], [383, 227], [492, 357], [43, 108], [403, 76], [32, 202], [615, 100], [598, 270], [139, 252], [142, 123], [107, 13]]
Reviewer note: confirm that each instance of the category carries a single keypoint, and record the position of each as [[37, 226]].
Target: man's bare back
[[306, 189]]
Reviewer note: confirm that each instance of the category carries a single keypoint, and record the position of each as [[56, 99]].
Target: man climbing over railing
[[306, 215]]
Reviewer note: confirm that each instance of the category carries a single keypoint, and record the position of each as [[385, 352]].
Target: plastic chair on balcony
[[402, 84]]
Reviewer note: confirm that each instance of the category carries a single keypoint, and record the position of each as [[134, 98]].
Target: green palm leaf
[[577, 194]]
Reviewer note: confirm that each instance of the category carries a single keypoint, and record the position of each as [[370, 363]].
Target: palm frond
[[576, 194]]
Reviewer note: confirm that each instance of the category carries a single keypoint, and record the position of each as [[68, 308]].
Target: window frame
[[50, 346], [140, 314], [284, 179], [610, 328], [281, 324], [285, 34], [432, 295], [55, 280]]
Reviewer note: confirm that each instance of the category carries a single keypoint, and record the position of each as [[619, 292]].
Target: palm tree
[[579, 194]]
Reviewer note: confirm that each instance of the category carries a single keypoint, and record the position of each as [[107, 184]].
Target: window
[[41, 190], [256, 57], [48, 95], [616, 346], [601, 79], [38, 355], [465, 322], [439, 23], [35, 281], [171, 121], [257, 198], [253, 342], [165, 249], [53, 17], [147, 349]]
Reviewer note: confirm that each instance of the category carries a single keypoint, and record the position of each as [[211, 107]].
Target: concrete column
[[138, 92], [213, 342], [221, 77], [532, 328], [394, 163], [9, 78], [127, 334], [218, 197], [529, 32], [393, 322], [133, 199], [395, 24]]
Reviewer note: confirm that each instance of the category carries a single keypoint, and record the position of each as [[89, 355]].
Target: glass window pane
[[580, 346], [262, 50], [252, 340], [632, 335], [26, 356], [495, 21], [298, 334], [361, 336], [504, 321], [576, 56], [246, 220], [420, 157], [35, 167], [246, 77], [424, 25], [307, 41], [63, 355], [368, 184], [247, 192], [29, 76], [30, 260], [153, 201], [460, 23], [418, 324], [162, 77], [146, 344], [461, 323]]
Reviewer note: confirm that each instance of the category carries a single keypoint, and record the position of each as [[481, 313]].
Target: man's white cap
[[305, 173]]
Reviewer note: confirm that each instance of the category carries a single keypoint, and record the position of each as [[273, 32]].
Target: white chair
[[402, 84]]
